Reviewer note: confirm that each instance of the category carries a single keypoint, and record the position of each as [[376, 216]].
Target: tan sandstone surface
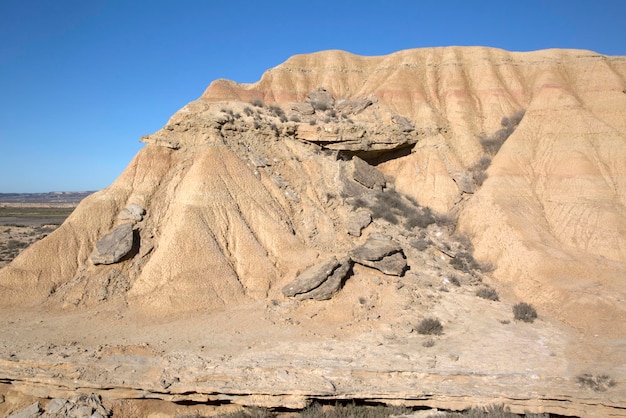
[[249, 186]]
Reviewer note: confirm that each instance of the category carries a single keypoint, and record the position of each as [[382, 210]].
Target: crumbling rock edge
[[563, 405]]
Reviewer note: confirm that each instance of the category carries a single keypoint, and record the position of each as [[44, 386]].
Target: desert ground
[[436, 228], [21, 226]]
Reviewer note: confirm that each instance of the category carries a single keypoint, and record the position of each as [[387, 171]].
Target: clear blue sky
[[82, 80]]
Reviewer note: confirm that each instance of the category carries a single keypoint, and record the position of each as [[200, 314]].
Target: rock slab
[[332, 284], [382, 253], [319, 281], [114, 246]]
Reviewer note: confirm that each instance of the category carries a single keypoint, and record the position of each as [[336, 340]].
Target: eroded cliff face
[[550, 215], [250, 185]]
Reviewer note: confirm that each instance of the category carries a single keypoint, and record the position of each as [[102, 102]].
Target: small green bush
[[524, 312], [429, 326]]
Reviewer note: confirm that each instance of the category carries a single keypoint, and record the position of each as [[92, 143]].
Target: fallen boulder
[[319, 281], [382, 253], [114, 246], [375, 248], [391, 265], [311, 278], [332, 284]]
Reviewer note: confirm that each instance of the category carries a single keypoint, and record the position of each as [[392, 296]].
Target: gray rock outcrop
[[319, 281], [321, 99], [367, 175], [31, 411], [79, 406], [332, 284], [403, 123], [303, 108], [383, 254], [114, 246], [352, 106], [357, 221]]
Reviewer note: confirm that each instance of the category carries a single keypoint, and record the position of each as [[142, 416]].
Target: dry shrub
[[487, 293], [524, 312], [598, 383], [276, 110], [257, 102], [492, 144], [429, 326]]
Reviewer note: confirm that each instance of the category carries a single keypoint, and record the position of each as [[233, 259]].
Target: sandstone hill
[[282, 241]]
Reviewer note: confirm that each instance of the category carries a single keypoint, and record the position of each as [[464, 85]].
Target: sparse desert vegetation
[[598, 383], [488, 293], [491, 144], [360, 410], [524, 312], [429, 326]]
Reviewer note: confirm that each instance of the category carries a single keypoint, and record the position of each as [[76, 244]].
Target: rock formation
[[330, 206], [114, 246]]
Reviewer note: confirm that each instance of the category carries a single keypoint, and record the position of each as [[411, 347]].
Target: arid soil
[[26, 218], [282, 242]]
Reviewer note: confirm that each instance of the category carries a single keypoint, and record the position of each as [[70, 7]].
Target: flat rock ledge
[[79, 406]]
